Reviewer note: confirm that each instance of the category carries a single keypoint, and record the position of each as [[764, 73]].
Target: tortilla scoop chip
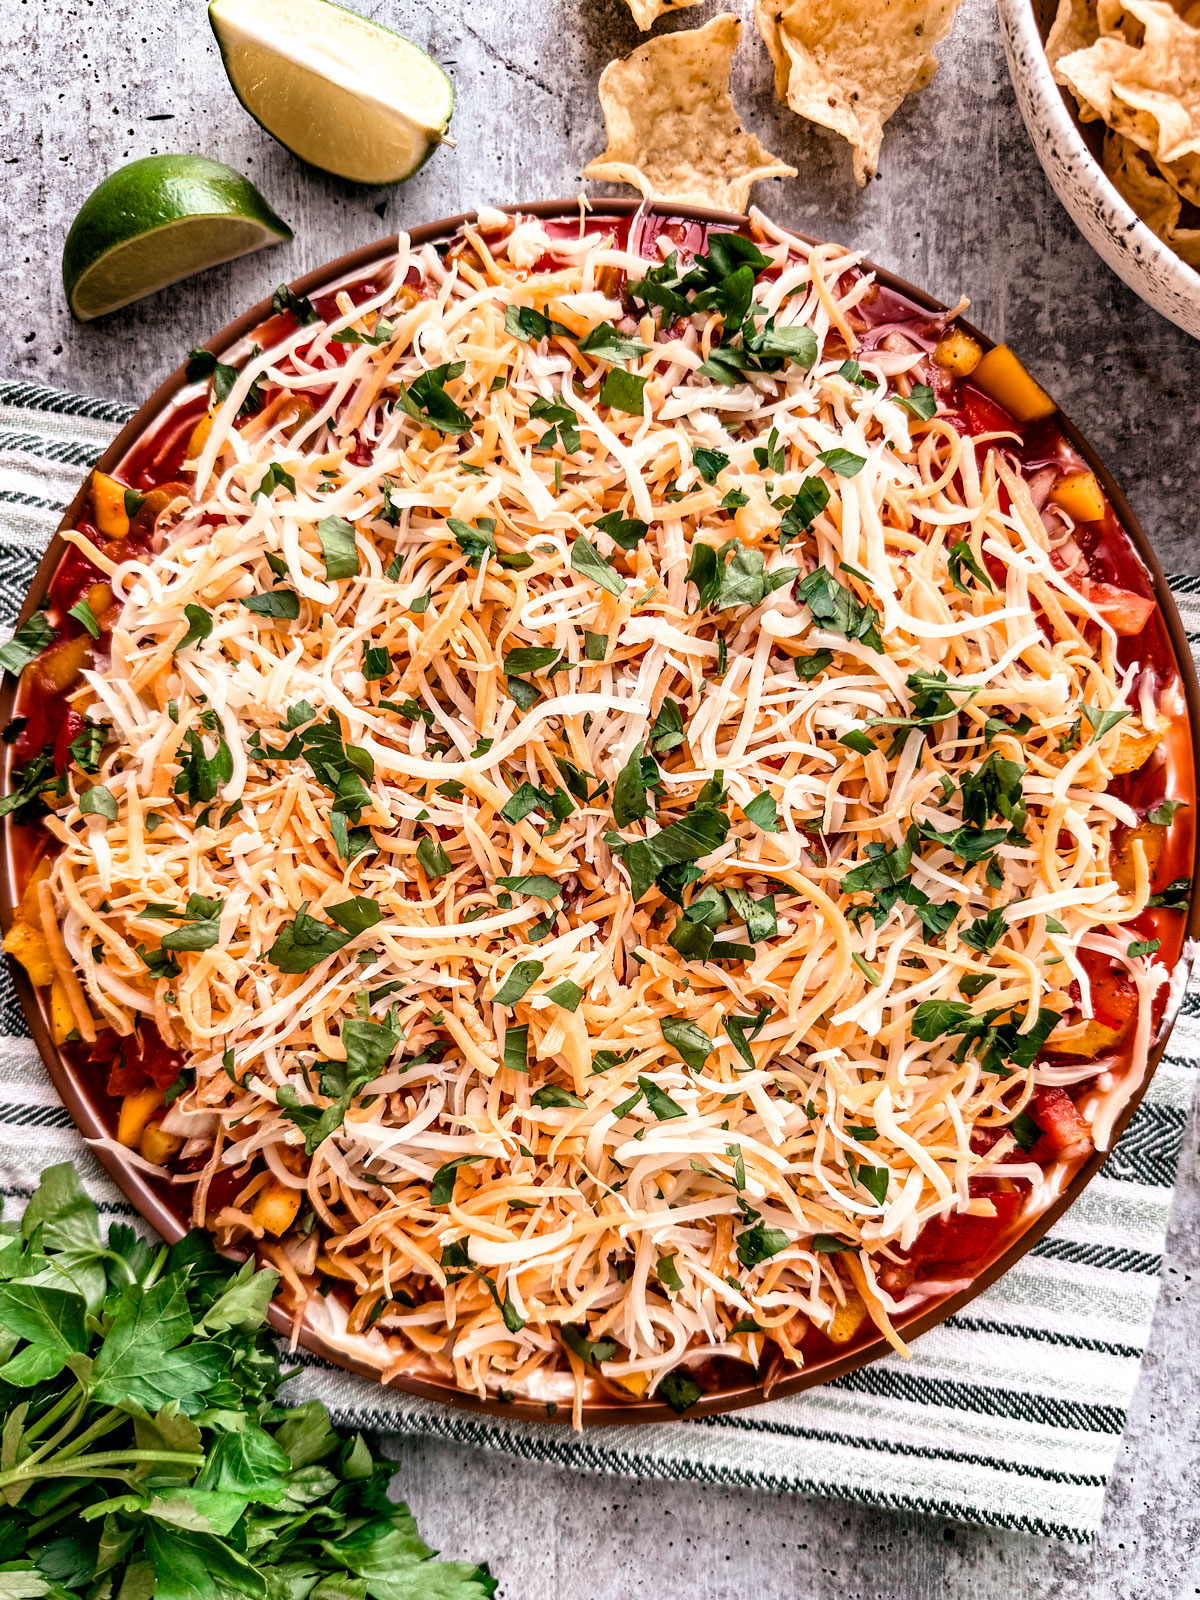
[[1138, 180], [1075, 27], [848, 64], [673, 131], [1093, 76], [1150, 90], [647, 12]]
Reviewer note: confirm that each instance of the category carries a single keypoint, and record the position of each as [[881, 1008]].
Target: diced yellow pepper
[[199, 436], [1152, 836], [58, 669], [28, 945], [958, 353], [1080, 496], [847, 1319], [28, 910], [1087, 1039], [136, 1111], [62, 1018], [636, 1382], [275, 1207], [158, 1146], [1135, 745], [1001, 375], [108, 506]]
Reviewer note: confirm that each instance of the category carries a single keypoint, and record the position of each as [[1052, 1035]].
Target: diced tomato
[[140, 1059], [1124, 611], [953, 1241], [1065, 1130], [982, 1139], [69, 729], [984, 415], [75, 574], [45, 713], [1114, 994]]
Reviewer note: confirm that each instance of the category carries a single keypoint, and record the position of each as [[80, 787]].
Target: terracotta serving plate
[[95, 1114]]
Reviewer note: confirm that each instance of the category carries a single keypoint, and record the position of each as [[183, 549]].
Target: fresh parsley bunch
[[142, 1455]]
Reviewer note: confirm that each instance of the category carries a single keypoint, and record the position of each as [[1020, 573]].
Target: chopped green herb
[[536, 884], [99, 801], [921, 403], [281, 604], [426, 400], [516, 1048], [589, 563], [1164, 811], [433, 858], [86, 617], [518, 983], [30, 639], [552, 1097], [843, 463], [690, 1043], [834, 607], [605, 342], [565, 994], [200, 626], [760, 1243]]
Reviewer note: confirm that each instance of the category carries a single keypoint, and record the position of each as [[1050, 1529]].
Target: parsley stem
[[104, 1464], [60, 1512], [80, 1395], [52, 1415], [103, 1424]]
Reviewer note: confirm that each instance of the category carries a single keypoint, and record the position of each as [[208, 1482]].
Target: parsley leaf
[[1101, 721], [338, 549], [529, 325], [843, 463], [608, 345], [426, 400], [200, 626], [520, 979], [589, 563], [690, 1043], [921, 403], [281, 604], [760, 1243], [763, 812], [694, 836], [835, 608], [30, 639], [628, 532], [566, 994]]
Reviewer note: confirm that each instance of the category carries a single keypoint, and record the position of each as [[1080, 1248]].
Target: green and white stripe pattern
[[1008, 1415]]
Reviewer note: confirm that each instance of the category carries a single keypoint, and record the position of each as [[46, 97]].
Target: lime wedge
[[156, 221], [340, 92]]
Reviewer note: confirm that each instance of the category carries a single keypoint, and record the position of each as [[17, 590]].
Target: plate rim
[[144, 1194]]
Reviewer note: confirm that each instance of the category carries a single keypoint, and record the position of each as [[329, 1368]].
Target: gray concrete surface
[[960, 205]]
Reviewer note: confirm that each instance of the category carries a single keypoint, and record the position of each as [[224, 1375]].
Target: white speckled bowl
[[1106, 221]]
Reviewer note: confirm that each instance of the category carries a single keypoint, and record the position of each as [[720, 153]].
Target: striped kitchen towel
[[1009, 1414]]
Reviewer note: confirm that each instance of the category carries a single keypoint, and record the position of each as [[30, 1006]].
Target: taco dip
[[609, 794]]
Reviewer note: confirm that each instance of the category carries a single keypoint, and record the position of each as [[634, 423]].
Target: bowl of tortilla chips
[[1110, 93]]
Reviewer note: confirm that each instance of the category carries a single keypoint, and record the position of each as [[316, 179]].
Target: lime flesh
[[337, 90], [158, 220]]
